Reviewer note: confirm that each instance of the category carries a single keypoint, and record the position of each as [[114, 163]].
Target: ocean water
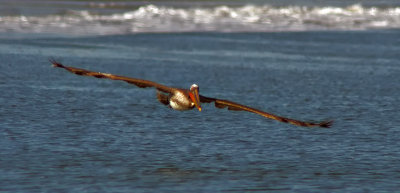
[[127, 17], [65, 133]]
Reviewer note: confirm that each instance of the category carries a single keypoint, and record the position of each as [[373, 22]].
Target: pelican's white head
[[194, 86], [194, 95]]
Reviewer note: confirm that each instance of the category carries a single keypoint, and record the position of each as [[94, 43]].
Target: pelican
[[184, 99]]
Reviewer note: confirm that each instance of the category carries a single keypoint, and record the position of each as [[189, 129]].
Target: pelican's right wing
[[138, 82], [219, 103]]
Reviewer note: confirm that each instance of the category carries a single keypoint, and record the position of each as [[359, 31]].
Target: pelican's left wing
[[219, 103], [138, 82]]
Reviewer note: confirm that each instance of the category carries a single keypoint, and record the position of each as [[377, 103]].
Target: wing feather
[[138, 82], [219, 103]]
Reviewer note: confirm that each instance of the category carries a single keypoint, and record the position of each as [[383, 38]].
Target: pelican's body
[[178, 100], [187, 99]]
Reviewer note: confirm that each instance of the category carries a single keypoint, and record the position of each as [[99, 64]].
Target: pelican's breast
[[180, 101]]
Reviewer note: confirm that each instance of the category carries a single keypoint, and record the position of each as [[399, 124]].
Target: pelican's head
[[194, 95]]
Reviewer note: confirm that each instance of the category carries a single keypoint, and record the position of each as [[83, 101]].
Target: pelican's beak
[[194, 95]]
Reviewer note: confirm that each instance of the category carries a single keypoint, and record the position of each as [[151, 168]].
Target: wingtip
[[326, 124], [55, 63]]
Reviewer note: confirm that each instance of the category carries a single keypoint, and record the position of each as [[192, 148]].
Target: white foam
[[153, 18]]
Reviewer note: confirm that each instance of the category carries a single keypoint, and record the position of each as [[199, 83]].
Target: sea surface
[[65, 133], [128, 17]]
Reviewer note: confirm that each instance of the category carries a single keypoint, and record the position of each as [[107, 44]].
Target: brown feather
[[219, 103], [162, 98], [138, 82]]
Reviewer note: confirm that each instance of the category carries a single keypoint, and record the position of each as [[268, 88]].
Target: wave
[[248, 18]]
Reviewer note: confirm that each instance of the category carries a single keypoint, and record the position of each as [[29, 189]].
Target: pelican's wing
[[138, 82], [219, 103]]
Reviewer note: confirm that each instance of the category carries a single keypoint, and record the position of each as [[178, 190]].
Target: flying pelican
[[183, 99]]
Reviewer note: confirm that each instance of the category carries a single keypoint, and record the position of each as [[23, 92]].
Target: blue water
[[308, 60], [65, 133]]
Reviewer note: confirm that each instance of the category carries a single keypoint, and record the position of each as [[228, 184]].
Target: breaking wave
[[249, 18]]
